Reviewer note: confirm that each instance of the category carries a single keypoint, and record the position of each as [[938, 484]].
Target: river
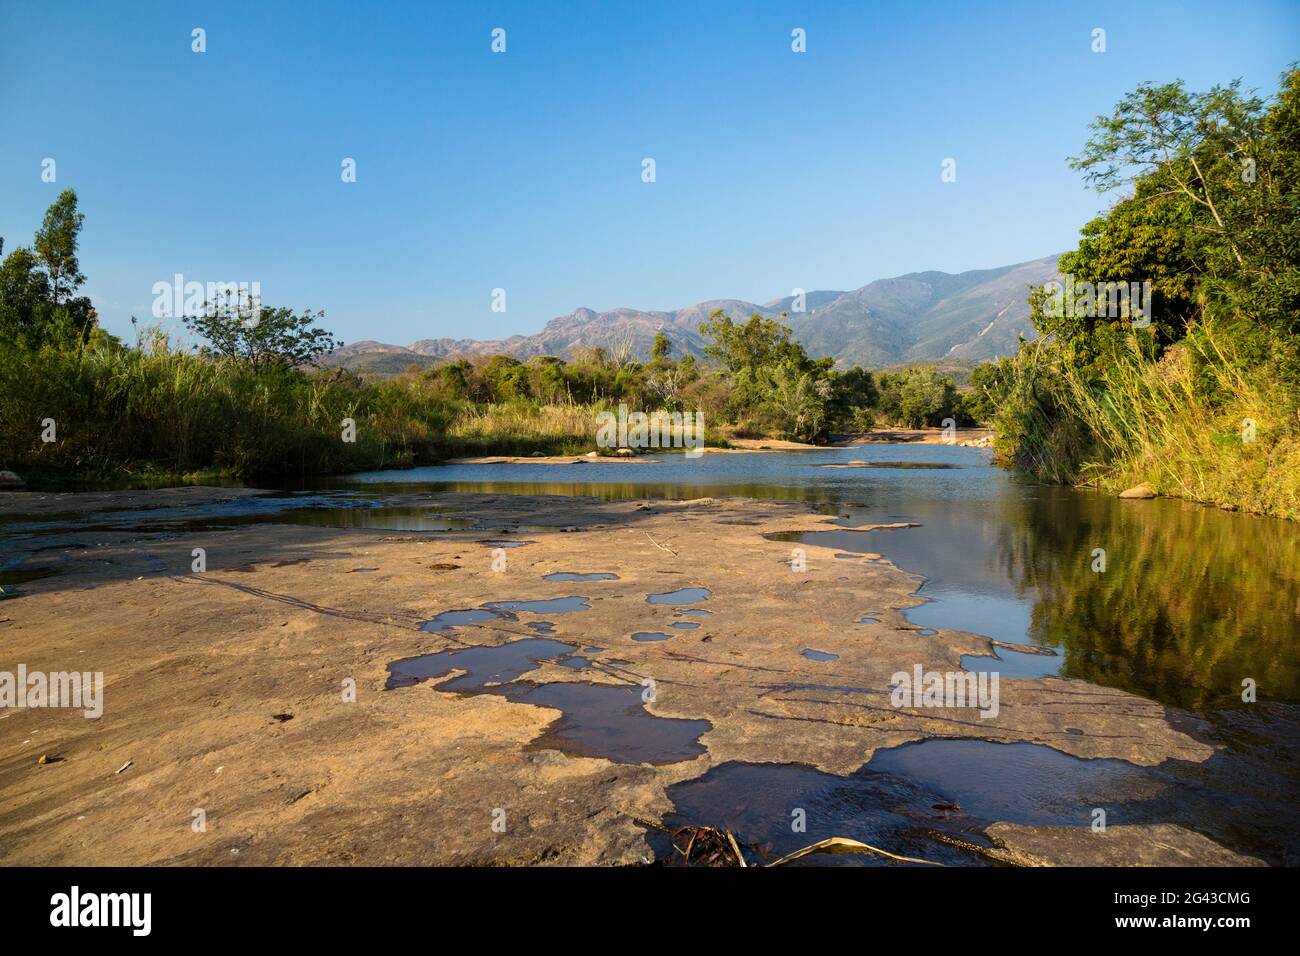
[[1193, 607]]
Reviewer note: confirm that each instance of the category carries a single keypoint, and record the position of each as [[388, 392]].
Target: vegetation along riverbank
[[1196, 393]]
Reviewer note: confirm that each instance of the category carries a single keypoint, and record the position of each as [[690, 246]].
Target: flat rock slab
[[1159, 844], [197, 667]]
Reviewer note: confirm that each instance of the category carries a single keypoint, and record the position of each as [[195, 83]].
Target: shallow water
[[495, 611], [763, 803], [558, 605], [597, 720], [482, 665], [904, 796], [783, 475], [680, 596], [10, 578], [326, 510]]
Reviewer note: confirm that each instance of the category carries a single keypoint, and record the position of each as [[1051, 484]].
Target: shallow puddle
[[559, 605], [813, 655], [761, 803], [680, 596], [579, 576], [597, 720], [1020, 783], [650, 636], [449, 619], [483, 665], [602, 720], [959, 787], [506, 611]]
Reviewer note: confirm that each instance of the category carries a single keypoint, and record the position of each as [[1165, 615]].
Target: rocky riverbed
[[308, 698]]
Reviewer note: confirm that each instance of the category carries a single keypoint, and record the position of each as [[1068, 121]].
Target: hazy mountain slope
[[924, 316], [983, 320]]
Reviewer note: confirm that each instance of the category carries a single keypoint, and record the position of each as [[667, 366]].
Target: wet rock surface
[[194, 662]]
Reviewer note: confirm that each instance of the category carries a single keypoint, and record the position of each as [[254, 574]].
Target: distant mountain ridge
[[923, 316]]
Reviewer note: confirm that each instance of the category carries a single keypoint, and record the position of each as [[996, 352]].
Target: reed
[[1182, 423], [159, 411]]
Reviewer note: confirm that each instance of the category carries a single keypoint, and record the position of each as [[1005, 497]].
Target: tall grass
[[161, 413], [519, 428], [162, 410], [1181, 423]]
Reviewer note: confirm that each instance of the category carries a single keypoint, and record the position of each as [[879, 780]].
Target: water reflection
[[1192, 600]]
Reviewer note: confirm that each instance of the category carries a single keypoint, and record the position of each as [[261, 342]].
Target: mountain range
[[920, 317]]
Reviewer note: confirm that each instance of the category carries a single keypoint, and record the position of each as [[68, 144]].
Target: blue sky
[[522, 170]]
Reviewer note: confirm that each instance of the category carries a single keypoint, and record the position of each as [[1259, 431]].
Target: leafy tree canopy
[[244, 330], [38, 285]]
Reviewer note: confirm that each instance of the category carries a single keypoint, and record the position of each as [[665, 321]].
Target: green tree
[[758, 343], [852, 396], [662, 347], [1211, 221], [796, 397], [506, 378], [56, 244], [38, 286], [990, 383], [453, 379], [917, 398], [243, 329], [22, 293]]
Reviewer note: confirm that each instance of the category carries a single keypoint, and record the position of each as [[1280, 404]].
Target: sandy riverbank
[[978, 437]]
